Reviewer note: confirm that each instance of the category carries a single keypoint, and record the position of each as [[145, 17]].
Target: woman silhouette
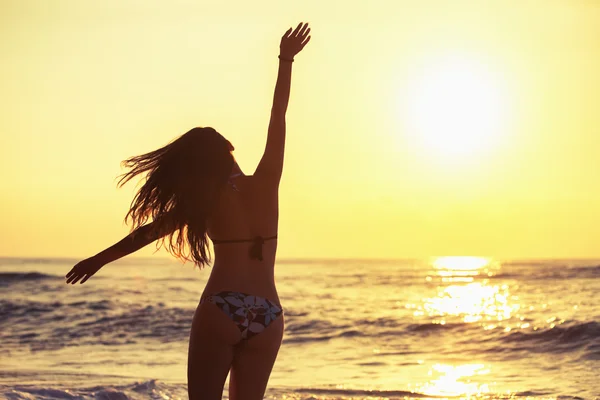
[[195, 190]]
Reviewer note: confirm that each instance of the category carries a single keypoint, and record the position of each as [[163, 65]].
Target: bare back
[[249, 211]]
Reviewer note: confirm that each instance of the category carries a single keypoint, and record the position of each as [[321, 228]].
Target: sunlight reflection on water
[[449, 380], [472, 295], [460, 295]]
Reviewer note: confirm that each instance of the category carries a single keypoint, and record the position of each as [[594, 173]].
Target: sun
[[455, 108]]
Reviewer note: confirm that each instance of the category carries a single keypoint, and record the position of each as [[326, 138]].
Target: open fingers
[[304, 31], [305, 42], [73, 278], [300, 33], [295, 33], [75, 275]]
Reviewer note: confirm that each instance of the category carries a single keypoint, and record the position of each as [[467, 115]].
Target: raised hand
[[293, 42], [84, 269]]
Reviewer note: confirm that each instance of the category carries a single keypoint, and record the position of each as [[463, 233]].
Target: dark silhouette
[[194, 191]]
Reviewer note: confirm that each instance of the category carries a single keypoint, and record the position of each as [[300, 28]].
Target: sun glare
[[460, 295], [450, 380], [464, 263], [455, 108]]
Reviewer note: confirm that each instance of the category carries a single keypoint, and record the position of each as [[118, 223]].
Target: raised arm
[[271, 163], [131, 243]]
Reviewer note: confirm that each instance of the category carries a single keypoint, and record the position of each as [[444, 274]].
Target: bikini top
[[255, 251]]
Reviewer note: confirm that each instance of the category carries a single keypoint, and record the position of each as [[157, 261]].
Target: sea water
[[449, 327]]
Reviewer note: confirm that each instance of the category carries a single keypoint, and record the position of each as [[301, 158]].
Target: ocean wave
[[580, 337], [52, 325], [578, 341], [317, 330], [154, 389], [23, 308], [365, 393], [10, 277], [548, 272], [592, 352], [576, 334], [436, 327], [541, 273], [45, 326], [587, 272], [389, 325], [334, 393], [150, 389]]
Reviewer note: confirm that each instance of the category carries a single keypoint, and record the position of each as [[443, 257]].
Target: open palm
[[84, 270], [293, 42]]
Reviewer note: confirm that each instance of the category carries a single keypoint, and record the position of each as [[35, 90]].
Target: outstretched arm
[[271, 163], [131, 243]]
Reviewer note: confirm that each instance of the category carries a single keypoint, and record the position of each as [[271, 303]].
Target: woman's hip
[[251, 314]]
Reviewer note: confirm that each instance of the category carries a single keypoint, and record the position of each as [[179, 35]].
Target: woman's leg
[[253, 361], [212, 340]]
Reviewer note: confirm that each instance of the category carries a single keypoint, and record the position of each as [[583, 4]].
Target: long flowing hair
[[180, 191]]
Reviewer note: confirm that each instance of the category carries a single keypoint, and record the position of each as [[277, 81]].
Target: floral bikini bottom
[[252, 314]]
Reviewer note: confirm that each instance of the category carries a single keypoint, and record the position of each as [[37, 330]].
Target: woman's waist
[[257, 284], [241, 252], [239, 263]]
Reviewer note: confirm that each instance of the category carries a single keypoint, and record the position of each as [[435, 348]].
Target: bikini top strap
[[255, 250], [216, 241]]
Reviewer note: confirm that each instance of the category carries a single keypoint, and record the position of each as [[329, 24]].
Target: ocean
[[449, 327]]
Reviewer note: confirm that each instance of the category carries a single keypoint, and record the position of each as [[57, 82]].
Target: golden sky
[[380, 98]]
